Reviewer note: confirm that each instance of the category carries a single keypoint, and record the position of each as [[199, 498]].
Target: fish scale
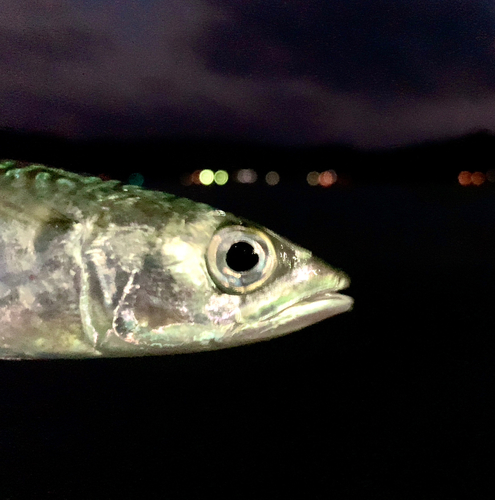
[[92, 268]]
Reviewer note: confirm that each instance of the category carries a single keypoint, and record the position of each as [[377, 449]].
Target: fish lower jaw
[[307, 312]]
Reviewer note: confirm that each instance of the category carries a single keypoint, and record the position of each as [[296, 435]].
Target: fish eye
[[240, 259]]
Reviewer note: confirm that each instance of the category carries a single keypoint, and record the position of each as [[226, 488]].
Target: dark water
[[393, 400]]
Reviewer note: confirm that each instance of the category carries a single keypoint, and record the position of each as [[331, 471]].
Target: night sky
[[360, 72]]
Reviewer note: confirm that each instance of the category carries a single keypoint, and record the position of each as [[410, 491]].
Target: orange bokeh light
[[195, 177], [464, 178], [186, 179], [327, 178], [478, 178]]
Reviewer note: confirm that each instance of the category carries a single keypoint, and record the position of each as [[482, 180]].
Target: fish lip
[[322, 295], [328, 298], [325, 297]]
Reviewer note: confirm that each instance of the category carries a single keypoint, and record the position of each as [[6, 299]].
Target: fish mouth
[[307, 311]]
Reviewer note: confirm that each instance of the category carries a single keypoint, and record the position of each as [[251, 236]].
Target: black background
[[392, 400]]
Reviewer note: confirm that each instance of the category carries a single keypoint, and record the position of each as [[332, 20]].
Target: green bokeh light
[[136, 179], [221, 177], [206, 177]]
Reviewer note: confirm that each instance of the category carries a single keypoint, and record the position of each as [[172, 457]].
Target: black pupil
[[241, 257]]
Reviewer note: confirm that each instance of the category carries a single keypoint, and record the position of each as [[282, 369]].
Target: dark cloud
[[378, 47], [69, 44], [371, 73]]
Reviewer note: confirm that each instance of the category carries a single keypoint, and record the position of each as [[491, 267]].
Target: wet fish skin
[[91, 268]]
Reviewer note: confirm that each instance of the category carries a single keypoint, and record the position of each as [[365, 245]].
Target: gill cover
[[140, 300], [127, 292]]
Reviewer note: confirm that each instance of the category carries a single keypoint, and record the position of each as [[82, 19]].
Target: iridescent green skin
[[91, 268]]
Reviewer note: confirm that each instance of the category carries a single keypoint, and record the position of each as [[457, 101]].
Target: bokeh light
[[186, 179], [206, 177], [136, 179], [312, 178], [327, 178], [478, 178], [344, 179], [195, 177], [246, 176], [221, 177], [490, 175], [464, 178], [272, 178]]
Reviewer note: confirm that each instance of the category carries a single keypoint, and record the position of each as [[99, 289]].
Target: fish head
[[269, 285], [219, 282]]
